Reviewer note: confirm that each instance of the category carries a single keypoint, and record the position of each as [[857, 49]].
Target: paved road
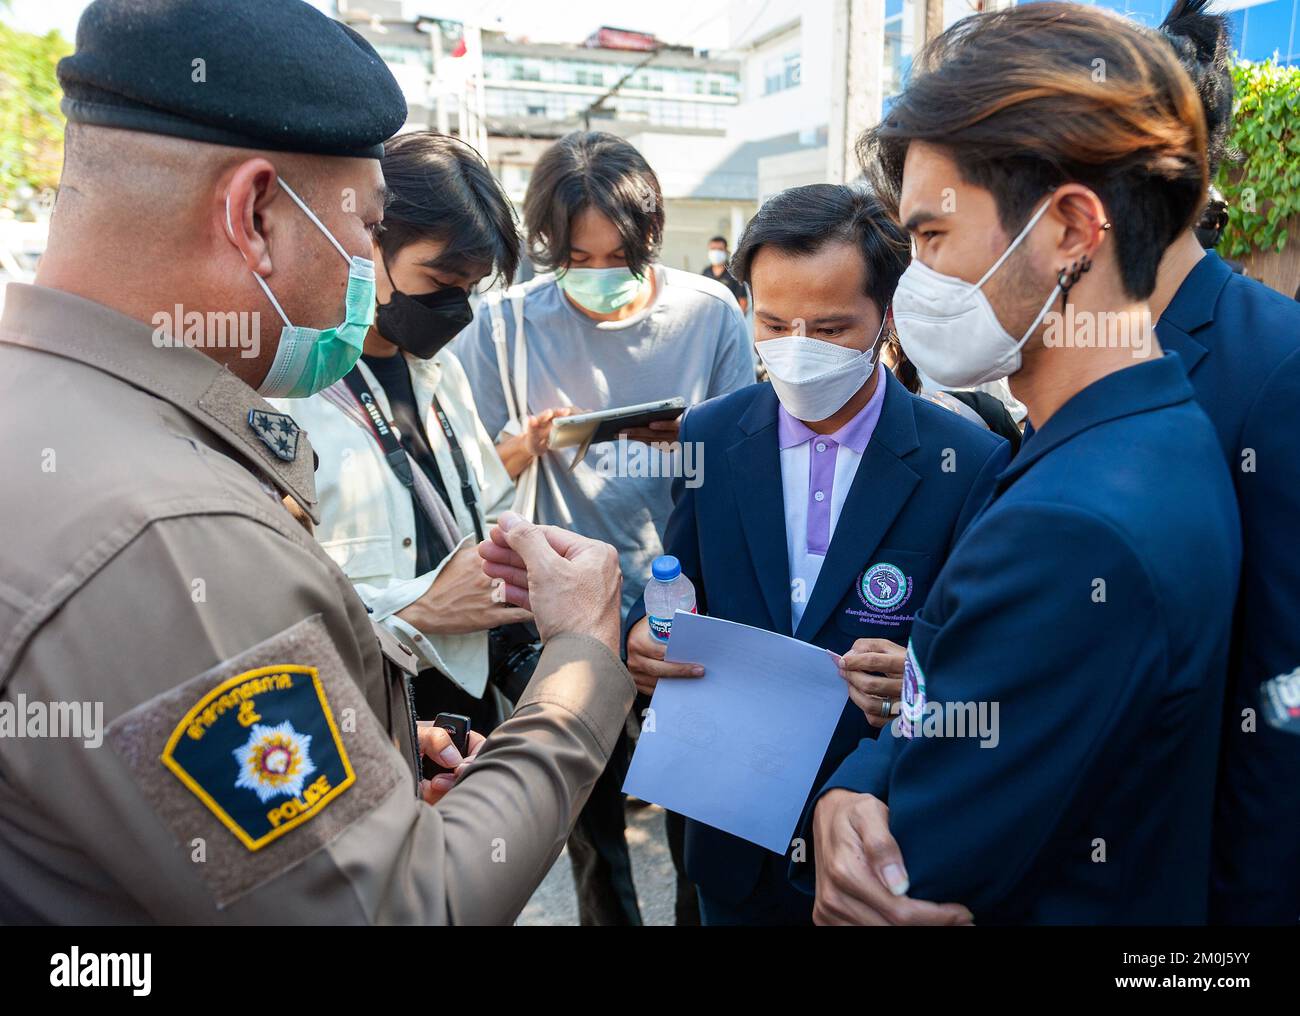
[[652, 870]]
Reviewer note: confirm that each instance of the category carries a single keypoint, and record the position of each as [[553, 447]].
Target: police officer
[[247, 755], [1086, 612]]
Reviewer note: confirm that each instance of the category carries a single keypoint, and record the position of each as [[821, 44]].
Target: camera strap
[[458, 457]]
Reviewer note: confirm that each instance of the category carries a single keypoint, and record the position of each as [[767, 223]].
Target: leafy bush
[[1262, 185], [31, 125]]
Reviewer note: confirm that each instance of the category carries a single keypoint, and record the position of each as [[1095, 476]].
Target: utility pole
[[928, 22], [857, 81]]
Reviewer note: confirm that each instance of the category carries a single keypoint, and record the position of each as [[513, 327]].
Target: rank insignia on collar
[[277, 431], [262, 752]]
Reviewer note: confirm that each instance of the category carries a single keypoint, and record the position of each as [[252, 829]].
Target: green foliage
[[31, 126], [1262, 187]]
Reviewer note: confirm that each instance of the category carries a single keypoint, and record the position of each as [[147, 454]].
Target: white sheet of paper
[[738, 748]]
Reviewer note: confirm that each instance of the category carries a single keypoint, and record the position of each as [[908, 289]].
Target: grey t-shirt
[[691, 341]]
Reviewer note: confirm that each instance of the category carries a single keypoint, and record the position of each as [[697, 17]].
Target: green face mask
[[309, 360], [600, 290]]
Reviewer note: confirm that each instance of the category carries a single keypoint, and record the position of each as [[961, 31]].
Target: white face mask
[[717, 257], [948, 328], [814, 378]]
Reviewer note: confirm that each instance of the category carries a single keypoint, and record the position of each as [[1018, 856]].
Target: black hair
[[719, 239], [1213, 221], [1203, 45], [591, 169], [803, 220], [440, 189]]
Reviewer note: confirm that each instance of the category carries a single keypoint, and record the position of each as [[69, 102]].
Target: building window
[[781, 72], [406, 56], [526, 70], [898, 49]]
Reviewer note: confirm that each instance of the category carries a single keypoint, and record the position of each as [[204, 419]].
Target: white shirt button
[[821, 446], [819, 496]]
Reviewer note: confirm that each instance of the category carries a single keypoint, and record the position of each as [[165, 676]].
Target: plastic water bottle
[[667, 592]]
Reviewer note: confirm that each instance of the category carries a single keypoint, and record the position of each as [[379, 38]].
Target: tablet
[[606, 424]]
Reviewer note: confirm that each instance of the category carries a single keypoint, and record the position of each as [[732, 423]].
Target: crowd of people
[[1000, 376]]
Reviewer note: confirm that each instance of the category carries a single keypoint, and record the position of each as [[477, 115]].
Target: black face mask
[[423, 324]]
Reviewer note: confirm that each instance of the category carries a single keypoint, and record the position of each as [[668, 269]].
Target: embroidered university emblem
[[913, 702], [1280, 697], [884, 587]]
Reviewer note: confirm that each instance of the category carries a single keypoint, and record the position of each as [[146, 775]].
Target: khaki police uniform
[[257, 757]]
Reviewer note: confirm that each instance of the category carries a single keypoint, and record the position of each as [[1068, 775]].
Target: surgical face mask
[[600, 290], [948, 328], [717, 257], [424, 323], [813, 378], [309, 360]]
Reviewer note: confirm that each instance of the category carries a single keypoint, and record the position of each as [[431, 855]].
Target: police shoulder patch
[[262, 751], [261, 761]]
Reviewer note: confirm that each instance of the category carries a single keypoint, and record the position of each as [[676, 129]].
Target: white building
[[815, 73]]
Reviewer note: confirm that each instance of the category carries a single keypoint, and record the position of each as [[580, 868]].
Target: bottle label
[[660, 627]]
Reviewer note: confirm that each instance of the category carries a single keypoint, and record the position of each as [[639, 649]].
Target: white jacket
[[368, 518]]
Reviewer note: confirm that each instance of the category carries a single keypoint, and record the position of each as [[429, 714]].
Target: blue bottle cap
[[666, 568]]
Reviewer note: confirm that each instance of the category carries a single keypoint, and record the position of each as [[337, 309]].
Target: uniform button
[[821, 446], [406, 542], [819, 496]]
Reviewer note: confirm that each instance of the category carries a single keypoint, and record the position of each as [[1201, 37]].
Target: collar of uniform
[[895, 429], [1137, 389], [1194, 302], [854, 434], [78, 329]]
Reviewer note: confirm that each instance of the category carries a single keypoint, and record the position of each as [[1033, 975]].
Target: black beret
[[269, 74]]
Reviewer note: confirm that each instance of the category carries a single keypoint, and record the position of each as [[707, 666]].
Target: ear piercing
[[1067, 277]]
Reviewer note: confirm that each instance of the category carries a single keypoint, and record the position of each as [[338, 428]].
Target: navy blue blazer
[[1091, 604], [924, 474], [1240, 343]]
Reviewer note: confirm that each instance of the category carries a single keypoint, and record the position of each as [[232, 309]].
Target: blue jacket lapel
[[1191, 308], [755, 464], [881, 487], [1174, 340]]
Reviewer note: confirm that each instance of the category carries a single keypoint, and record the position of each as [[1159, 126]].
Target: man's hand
[[570, 583], [873, 669], [645, 660], [860, 873], [655, 432], [462, 599], [436, 744]]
